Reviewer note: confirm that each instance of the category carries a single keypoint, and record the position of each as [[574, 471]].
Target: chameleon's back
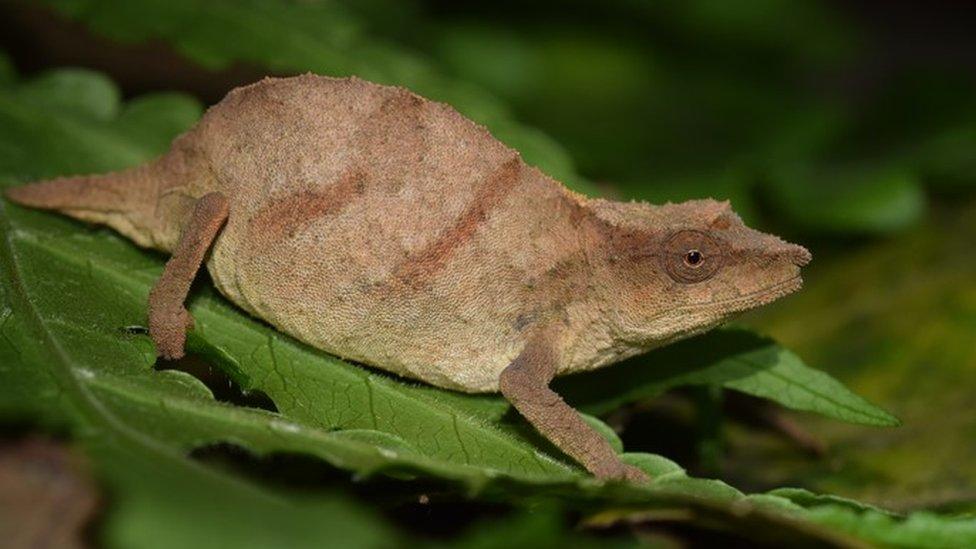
[[382, 227]]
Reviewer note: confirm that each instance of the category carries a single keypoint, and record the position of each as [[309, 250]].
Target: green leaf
[[734, 358], [919, 530], [777, 522], [656, 466], [807, 498], [605, 431]]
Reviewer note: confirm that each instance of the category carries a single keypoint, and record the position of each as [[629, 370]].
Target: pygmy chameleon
[[390, 230]]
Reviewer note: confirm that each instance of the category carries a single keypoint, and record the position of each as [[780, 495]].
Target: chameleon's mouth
[[774, 292], [700, 317], [723, 308], [759, 297], [750, 300]]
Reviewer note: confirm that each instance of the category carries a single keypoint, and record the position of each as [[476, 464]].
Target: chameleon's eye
[[692, 256]]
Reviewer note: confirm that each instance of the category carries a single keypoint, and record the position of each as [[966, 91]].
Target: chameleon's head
[[684, 268]]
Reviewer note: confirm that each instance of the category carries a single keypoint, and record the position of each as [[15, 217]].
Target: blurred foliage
[[786, 108], [322, 37], [737, 100]]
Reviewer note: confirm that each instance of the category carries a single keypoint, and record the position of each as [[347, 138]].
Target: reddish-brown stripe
[[284, 217], [418, 269]]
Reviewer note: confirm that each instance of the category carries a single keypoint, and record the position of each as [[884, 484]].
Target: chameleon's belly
[[446, 333]]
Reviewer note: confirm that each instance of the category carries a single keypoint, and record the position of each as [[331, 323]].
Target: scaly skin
[[388, 229]]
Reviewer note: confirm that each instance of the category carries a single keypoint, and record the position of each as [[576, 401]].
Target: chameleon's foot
[[168, 318], [622, 471], [168, 329], [525, 383]]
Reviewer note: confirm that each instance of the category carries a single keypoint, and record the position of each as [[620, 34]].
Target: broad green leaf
[[919, 530], [807, 498], [656, 466], [734, 358], [777, 521]]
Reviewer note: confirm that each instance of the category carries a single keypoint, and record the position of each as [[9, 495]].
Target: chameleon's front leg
[[168, 317], [525, 383]]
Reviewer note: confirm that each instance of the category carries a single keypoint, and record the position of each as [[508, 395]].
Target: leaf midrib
[[877, 420]]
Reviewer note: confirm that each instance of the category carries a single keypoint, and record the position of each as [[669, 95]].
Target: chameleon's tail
[[90, 195], [124, 200]]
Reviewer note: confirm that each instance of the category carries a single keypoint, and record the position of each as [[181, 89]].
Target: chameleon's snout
[[800, 255]]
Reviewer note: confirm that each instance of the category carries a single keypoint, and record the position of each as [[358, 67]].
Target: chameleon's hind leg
[[525, 383], [168, 317]]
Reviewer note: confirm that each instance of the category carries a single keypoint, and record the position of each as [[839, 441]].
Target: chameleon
[[390, 230]]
